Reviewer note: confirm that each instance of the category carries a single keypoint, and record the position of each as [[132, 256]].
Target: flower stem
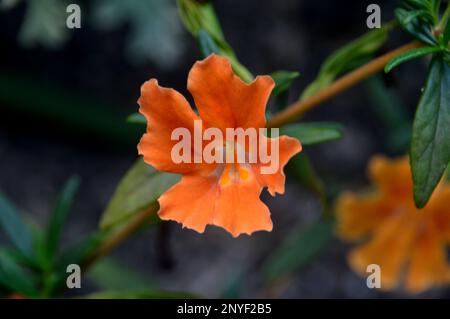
[[119, 235], [297, 109]]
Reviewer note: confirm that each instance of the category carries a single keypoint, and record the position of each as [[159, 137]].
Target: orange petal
[[429, 266], [438, 209], [390, 248], [165, 109], [190, 202], [234, 204], [393, 176], [239, 209], [359, 216], [288, 147], [223, 99]]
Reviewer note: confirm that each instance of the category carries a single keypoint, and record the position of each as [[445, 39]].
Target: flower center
[[233, 173], [234, 168]]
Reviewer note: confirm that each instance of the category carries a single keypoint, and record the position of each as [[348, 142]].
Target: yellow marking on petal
[[225, 177], [243, 173]]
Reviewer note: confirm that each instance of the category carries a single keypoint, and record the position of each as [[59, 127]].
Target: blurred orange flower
[[408, 244], [225, 195]]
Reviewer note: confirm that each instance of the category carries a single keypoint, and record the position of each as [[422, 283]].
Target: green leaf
[[78, 253], [136, 118], [430, 148], [409, 16], [417, 23], [19, 258], [314, 132], [197, 16], [59, 215], [435, 6], [206, 43], [40, 247], [410, 55], [14, 277], [138, 190], [144, 294], [446, 34], [111, 275], [283, 81], [343, 60], [13, 225], [299, 248]]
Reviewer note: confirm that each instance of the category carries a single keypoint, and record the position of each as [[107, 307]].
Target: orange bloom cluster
[[225, 195], [408, 244]]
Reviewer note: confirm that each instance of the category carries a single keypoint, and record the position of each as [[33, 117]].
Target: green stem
[[297, 109]]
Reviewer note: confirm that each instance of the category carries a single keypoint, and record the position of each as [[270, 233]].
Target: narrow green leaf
[[19, 258], [430, 148], [314, 132], [77, 254], [13, 277], [197, 16], [283, 81], [59, 215], [206, 43], [136, 118], [410, 55], [436, 6], [300, 248], [408, 16], [417, 23], [40, 247], [81, 250], [13, 225], [446, 34], [139, 189]]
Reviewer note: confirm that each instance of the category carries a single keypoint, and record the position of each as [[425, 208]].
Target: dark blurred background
[[65, 95]]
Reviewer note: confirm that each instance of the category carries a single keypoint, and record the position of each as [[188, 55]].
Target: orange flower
[[225, 195], [408, 244]]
